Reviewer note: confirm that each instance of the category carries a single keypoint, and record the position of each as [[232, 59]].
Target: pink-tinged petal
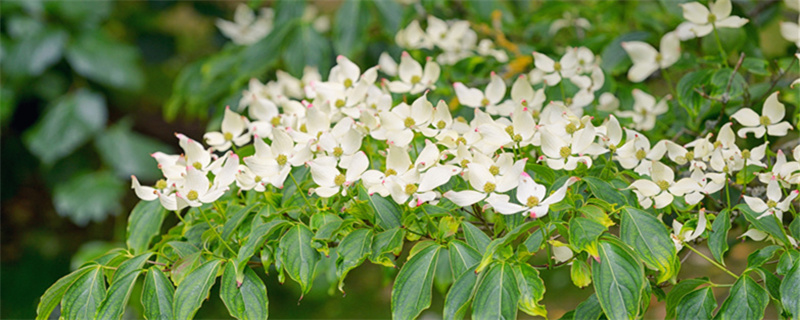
[[522, 89], [431, 73], [409, 68], [559, 194], [398, 86], [543, 62], [464, 198], [169, 202], [784, 205], [470, 97], [539, 211], [496, 90], [501, 204], [233, 122], [779, 129], [196, 180], [756, 204], [758, 132], [144, 193], [774, 190], [695, 12], [662, 200], [326, 192], [213, 194], [774, 109], [746, 117], [684, 186], [435, 177], [528, 188], [479, 175], [661, 171], [670, 48], [646, 187], [551, 79]]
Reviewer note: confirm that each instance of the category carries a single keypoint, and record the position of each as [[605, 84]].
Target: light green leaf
[[580, 273], [458, 297], [531, 290], [761, 256], [157, 295], [387, 245], [651, 241], [583, 234], [85, 295], [698, 304], [299, 258], [254, 241], [194, 289], [497, 295], [718, 237], [746, 300], [411, 292], [52, 297], [790, 290], [787, 261], [144, 223], [353, 250], [462, 257], [500, 243], [129, 152], [247, 300], [35, 53], [89, 197], [66, 125], [618, 280]]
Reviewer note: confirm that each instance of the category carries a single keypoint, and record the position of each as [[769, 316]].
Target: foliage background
[[152, 68]]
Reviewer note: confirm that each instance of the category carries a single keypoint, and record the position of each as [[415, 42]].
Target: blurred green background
[[90, 88]]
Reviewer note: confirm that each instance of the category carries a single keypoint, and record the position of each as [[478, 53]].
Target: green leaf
[[96, 56], [66, 125], [746, 300], [720, 80], [614, 57], [386, 245], [298, 256], [193, 290], [476, 238], [458, 297], [144, 223], [35, 53], [52, 297], [411, 292], [462, 257], [755, 66], [131, 265], [768, 224], [583, 234], [85, 295], [589, 309], [497, 295], [687, 84], [353, 250], [580, 273], [618, 280], [235, 219], [254, 241], [651, 242], [772, 282], [157, 295], [605, 191], [498, 244], [113, 306], [718, 237], [787, 261], [307, 48], [790, 290], [129, 152], [679, 291], [531, 290], [349, 29], [387, 211], [698, 304], [761, 256], [390, 15], [89, 196], [247, 300]]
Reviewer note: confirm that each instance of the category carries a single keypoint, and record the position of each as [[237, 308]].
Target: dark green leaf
[[458, 297], [462, 257], [353, 250], [746, 300], [679, 291], [618, 280], [605, 191], [131, 265], [144, 223], [755, 66], [194, 289], [497, 295], [650, 240], [88, 197], [476, 238], [235, 219], [698, 304], [157, 295], [298, 256], [96, 56], [718, 237], [761, 256], [772, 283], [790, 290], [385, 210], [52, 297], [129, 152], [720, 80], [387, 245], [589, 309], [254, 241], [390, 15], [687, 84], [85, 295], [33, 54], [531, 290], [349, 29], [307, 48], [787, 261], [768, 224], [113, 306], [66, 125], [247, 300], [411, 292], [583, 234]]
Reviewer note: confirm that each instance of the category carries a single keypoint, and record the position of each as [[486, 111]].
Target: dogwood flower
[[413, 78], [645, 110], [330, 179], [566, 152], [768, 122], [245, 29], [791, 31], [474, 98], [681, 234], [704, 21], [197, 189], [647, 60], [532, 196], [555, 71], [233, 129], [774, 205], [662, 189], [486, 181]]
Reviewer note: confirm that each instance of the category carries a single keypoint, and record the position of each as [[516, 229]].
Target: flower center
[[485, 102], [410, 189], [524, 103], [510, 130], [565, 152], [228, 136], [771, 204], [689, 155], [415, 79], [161, 184], [517, 138], [275, 121], [348, 83], [640, 154], [746, 154], [557, 66], [464, 163], [494, 170], [303, 128], [389, 172], [337, 152], [461, 140], [441, 124], [257, 179], [192, 195], [339, 103], [571, 128], [339, 180], [712, 18], [532, 202], [197, 165], [765, 121], [662, 184], [659, 57], [612, 147], [489, 187], [409, 122], [281, 159]]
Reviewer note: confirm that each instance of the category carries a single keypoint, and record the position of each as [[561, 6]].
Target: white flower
[[245, 28], [566, 152], [607, 102], [567, 21], [704, 21], [680, 235], [197, 189], [774, 205], [486, 48], [532, 197], [708, 183], [413, 78], [796, 82], [791, 31], [647, 60], [636, 152], [233, 129], [523, 93], [554, 71], [645, 110], [487, 181], [329, 178], [413, 37], [662, 189], [148, 193], [474, 98], [404, 120], [769, 121]]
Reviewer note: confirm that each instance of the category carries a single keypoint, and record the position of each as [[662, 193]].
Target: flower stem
[[711, 261], [213, 228], [719, 45], [291, 175]]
